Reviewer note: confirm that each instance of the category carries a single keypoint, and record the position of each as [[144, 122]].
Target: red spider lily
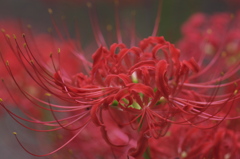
[[16, 70], [132, 93], [215, 36], [189, 142], [214, 42], [11, 50], [91, 138]]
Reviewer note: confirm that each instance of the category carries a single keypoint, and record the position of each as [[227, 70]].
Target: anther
[[224, 54], [184, 154], [49, 30], [70, 151], [209, 31], [47, 94], [109, 27], [29, 26], [89, 4], [14, 133], [235, 83], [8, 36], [50, 11], [235, 92], [116, 2], [60, 136]]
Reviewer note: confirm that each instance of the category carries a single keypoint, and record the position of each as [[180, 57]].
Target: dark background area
[[174, 13]]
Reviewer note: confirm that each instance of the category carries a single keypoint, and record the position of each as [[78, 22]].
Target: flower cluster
[[149, 100]]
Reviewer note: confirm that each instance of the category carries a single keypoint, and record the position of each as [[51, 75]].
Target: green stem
[[146, 154]]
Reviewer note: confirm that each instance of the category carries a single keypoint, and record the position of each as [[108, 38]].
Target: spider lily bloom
[[208, 36], [134, 82], [131, 93], [189, 142], [46, 74], [34, 55], [214, 43], [88, 142], [7, 30]]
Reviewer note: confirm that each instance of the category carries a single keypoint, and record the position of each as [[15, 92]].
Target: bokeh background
[[34, 12], [174, 12]]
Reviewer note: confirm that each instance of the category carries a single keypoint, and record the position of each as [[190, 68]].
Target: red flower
[[133, 94], [189, 142]]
